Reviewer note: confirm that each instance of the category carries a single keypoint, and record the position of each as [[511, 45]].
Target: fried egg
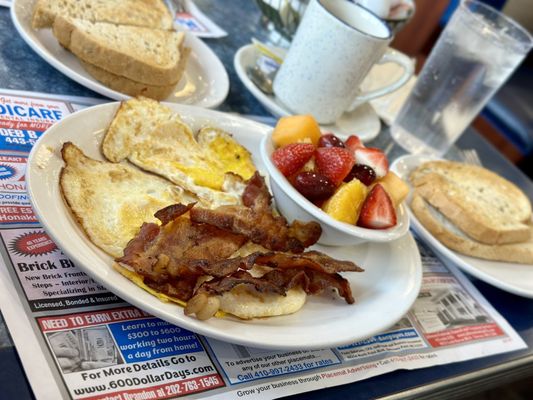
[[111, 201], [185, 164], [167, 146], [225, 153]]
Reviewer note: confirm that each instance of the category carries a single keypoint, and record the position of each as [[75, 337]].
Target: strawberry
[[353, 143], [377, 211], [334, 163], [374, 158], [290, 158]]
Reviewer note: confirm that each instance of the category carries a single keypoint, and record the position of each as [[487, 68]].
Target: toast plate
[[363, 121], [205, 82], [384, 292], [512, 277]]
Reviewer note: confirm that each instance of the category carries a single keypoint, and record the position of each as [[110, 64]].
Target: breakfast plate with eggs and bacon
[[169, 208]]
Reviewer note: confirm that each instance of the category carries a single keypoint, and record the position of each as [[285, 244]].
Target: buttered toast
[[128, 45], [147, 13], [133, 88], [149, 56], [449, 235], [485, 206]]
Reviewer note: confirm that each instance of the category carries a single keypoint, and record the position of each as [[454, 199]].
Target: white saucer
[[512, 277], [363, 121]]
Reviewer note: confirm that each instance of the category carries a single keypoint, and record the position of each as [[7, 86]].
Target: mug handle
[[391, 56]]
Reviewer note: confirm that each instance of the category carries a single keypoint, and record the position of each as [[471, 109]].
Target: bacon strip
[[279, 281], [320, 281], [170, 213], [256, 221], [218, 268], [178, 249], [182, 288], [256, 193], [227, 283], [310, 259], [174, 256]]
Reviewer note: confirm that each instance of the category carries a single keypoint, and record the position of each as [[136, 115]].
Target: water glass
[[476, 53]]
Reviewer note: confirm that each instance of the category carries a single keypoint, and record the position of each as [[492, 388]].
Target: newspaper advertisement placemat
[[78, 341]]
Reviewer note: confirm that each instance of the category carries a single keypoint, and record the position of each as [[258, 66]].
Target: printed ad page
[[126, 354]]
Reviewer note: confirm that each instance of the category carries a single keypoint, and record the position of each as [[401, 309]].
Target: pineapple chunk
[[294, 129], [395, 187], [346, 202]]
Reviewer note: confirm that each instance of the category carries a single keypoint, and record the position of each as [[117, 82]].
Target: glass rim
[[526, 43]]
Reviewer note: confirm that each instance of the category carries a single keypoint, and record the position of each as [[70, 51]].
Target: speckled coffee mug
[[333, 50]]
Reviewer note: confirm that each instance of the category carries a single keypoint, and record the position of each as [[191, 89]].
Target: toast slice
[[147, 13], [144, 55], [131, 87], [485, 206], [449, 235]]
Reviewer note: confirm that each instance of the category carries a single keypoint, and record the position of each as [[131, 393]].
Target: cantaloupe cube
[[296, 129], [395, 186]]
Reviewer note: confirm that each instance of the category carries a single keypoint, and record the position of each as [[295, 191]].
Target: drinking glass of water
[[476, 53]]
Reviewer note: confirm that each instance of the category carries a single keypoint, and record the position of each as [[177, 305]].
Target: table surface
[[22, 69]]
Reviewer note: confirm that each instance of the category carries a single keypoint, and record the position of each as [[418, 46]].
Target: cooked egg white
[[111, 201], [151, 136], [246, 303], [172, 152]]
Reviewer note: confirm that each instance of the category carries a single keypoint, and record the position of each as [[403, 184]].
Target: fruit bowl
[[294, 206]]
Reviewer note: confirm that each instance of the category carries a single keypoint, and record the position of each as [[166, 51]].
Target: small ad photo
[[84, 349]]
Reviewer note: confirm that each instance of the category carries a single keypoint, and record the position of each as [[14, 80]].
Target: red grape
[[330, 140], [313, 186], [362, 172]]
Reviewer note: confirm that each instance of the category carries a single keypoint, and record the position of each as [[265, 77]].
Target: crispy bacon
[[227, 283], [140, 243], [170, 213], [174, 250], [256, 193], [256, 221], [320, 281], [310, 259], [182, 288], [177, 257], [278, 281], [219, 268]]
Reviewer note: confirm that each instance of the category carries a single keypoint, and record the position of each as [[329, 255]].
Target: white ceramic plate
[[205, 82], [384, 292], [363, 121], [511, 277]]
